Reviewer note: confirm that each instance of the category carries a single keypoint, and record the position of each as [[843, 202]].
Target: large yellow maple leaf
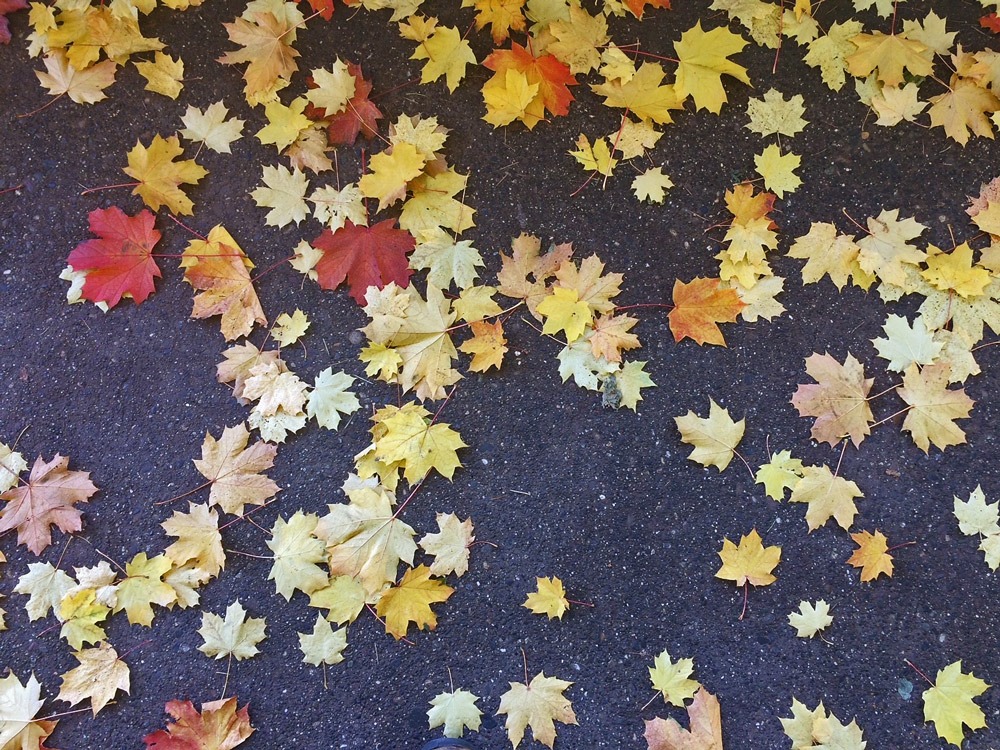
[[714, 438], [948, 703], [539, 704], [219, 268], [411, 601], [643, 94], [160, 177], [100, 675], [750, 562], [828, 495], [406, 437], [143, 586], [933, 408], [703, 61], [234, 470], [962, 108], [889, 55]]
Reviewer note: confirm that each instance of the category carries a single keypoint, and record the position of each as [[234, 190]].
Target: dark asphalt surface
[[606, 500]]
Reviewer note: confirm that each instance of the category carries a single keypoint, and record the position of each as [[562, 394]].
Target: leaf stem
[[917, 670]]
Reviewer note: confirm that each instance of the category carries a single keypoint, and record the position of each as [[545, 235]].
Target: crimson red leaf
[[8, 6], [365, 256], [121, 261], [991, 22]]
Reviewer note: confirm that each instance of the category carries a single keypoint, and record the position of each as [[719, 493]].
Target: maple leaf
[[503, 16], [955, 272], [296, 554], [507, 97], [551, 77], [651, 184], [975, 516], [219, 726], [828, 495], [525, 272], [344, 597], [872, 555], [164, 75], [284, 192], [578, 38], [643, 94], [698, 307], [777, 169], [934, 408], [838, 399], [596, 158], [219, 268], [455, 711], [705, 720], [82, 86], [364, 539], [332, 89], [7, 7], [714, 437], [360, 117], [813, 728], [80, 613], [829, 52], [949, 703], [450, 546], [549, 598], [963, 108], [389, 172], [234, 471], [323, 645], [447, 261], [827, 252], [284, 124], [886, 251], [288, 329], [11, 466], [538, 705], [487, 346], [335, 207], [563, 310], [889, 55], [100, 675], [780, 473], [447, 54], [750, 562], [810, 619], [46, 500], [637, 7], [19, 730], [199, 543], [673, 679], [774, 115], [160, 177], [211, 127], [46, 585], [120, 263], [703, 61], [267, 48], [410, 601], [906, 346], [407, 437], [235, 636], [894, 104], [330, 398], [364, 256], [143, 587]]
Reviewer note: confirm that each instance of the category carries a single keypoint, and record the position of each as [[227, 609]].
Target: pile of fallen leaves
[[389, 238]]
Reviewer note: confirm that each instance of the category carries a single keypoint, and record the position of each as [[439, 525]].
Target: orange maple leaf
[[552, 77], [745, 205], [46, 500], [636, 7], [872, 555], [219, 726], [699, 306]]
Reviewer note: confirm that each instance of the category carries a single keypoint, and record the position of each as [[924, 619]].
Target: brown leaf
[[705, 718]]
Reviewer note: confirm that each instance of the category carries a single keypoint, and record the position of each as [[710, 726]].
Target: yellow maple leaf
[[323, 645], [577, 39], [163, 75], [955, 271], [284, 124], [288, 329], [563, 310], [889, 55], [406, 436], [838, 399], [199, 542], [160, 177], [503, 16], [487, 346], [233, 636], [410, 601], [703, 61], [642, 94], [80, 613], [778, 170], [780, 473], [539, 704], [596, 158], [344, 597], [933, 408], [524, 273], [549, 598], [714, 437], [143, 587], [829, 52], [948, 703], [750, 562], [507, 99], [673, 679], [963, 108], [99, 676], [221, 270], [389, 172], [447, 54], [611, 336], [82, 86], [266, 46], [872, 555], [827, 252], [828, 495], [651, 185], [334, 88]]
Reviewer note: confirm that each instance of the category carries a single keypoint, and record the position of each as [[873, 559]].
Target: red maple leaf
[[8, 6], [365, 256], [359, 117], [46, 500], [636, 7], [219, 726], [323, 7], [120, 262], [991, 22], [553, 77]]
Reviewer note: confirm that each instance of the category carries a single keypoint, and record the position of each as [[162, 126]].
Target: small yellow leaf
[[777, 169], [750, 562], [563, 310], [164, 75], [549, 598]]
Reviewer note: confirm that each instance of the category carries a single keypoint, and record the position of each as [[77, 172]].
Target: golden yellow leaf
[[750, 562], [389, 171], [160, 177], [548, 599], [872, 555], [714, 438], [703, 61], [487, 346], [411, 600], [163, 75]]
